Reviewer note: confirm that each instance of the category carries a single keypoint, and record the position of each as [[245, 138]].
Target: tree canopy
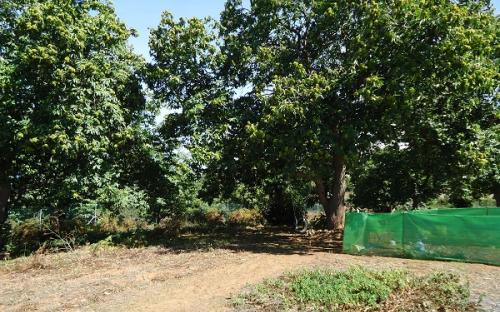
[[73, 115], [278, 105], [304, 89]]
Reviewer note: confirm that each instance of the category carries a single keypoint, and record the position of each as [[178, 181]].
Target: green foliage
[[392, 178], [355, 287], [302, 89], [487, 172], [444, 288], [359, 289], [245, 216], [76, 132], [121, 203], [267, 108], [214, 216], [70, 97]]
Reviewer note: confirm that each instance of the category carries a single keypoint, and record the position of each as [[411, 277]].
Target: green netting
[[460, 211], [471, 235]]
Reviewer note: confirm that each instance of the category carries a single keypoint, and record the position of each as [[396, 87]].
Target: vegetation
[[272, 109], [358, 289], [299, 91]]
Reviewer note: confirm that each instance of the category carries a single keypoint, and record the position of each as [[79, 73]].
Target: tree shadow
[[273, 240]]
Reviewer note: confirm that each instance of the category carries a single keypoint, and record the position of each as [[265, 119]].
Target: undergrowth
[[50, 235], [358, 289]]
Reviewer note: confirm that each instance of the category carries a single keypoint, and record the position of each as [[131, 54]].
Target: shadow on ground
[[266, 240]]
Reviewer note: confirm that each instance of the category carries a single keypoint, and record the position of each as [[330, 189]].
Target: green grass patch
[[358, 289]]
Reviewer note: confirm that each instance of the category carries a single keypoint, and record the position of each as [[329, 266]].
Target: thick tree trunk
[[4, 199], [333, 200], [496, 194], [338, 194]]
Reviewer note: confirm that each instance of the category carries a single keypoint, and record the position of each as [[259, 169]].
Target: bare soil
[[200, 273]]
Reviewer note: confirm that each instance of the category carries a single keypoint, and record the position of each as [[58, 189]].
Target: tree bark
[[496, 193], [4, 198], [333, 201]]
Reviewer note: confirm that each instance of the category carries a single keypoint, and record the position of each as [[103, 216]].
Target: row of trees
[[282, 104], [75, 126]]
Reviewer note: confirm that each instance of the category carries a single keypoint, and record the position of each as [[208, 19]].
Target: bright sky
[[145, 14]]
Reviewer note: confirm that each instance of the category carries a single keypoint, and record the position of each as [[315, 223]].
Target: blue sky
[[145, 14]]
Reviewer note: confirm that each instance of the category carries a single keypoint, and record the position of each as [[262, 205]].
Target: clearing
[[200, 274]]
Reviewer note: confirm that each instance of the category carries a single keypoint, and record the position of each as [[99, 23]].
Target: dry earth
[[193, 277]]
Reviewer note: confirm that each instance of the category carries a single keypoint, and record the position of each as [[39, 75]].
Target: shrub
[[48, 234], [318, 222], [196, 216], [214, 216], [244, 216], [121, 203], [355, 287], [26, 237], [109, 223], [358, 289], [4, 238], [170, 226]]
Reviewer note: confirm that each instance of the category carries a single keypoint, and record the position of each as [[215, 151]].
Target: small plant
[[214, 216], [244, 216], [170, 226], [355, 287], [358, 289]]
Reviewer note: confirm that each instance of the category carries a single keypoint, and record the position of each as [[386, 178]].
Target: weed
[[358, 289], [244, 216]]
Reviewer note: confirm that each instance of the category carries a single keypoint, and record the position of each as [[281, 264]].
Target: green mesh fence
[[471, 234]]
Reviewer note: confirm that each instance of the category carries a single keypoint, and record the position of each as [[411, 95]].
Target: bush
[[4, 238], [243, 216], [355, 287], [48, 234], [214, 216], [118, 204], [358, 289], [196, 216], [170, 226], [25, 237], [318, 222], [110, 224]]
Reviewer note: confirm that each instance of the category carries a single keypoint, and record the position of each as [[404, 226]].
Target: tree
[[304, 88], [395, 177], [345, 77], [70, 97], [487, 171]]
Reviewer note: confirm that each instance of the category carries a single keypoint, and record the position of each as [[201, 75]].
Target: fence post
[[40, 214]]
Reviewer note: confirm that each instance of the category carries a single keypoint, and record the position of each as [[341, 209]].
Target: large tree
[[70, 99], [304, 88]]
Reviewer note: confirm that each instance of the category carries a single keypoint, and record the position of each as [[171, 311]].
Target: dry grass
[[86, 277], [202, 268]]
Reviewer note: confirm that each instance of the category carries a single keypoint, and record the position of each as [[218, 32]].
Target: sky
[[145, 14]]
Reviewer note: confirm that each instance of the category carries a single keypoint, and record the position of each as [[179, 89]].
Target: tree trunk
[[496, 193], [338, 194], [4, 199], [333, 201]]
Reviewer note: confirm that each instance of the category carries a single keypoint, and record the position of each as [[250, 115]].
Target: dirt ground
[[199, 274]]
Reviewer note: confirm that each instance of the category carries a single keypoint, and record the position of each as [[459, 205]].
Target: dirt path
[[157, 279], [210, 290]]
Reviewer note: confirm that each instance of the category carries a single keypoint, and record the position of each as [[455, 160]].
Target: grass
[[358, 289]]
